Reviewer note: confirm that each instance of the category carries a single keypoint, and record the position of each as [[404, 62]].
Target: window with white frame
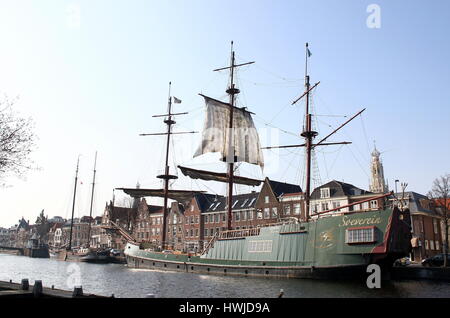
[[324, 193], [287, 209], [274, 212], [259, 214], [427, 246], [435, 226], [374, 204], [296, 208], [431, 245], [437, 245], [266, 199], [267, 213], [361, 235]]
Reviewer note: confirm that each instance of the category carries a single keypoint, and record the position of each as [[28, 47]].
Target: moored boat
[[336, 243]]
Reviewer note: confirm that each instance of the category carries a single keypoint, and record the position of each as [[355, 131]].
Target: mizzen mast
[[308, 134]]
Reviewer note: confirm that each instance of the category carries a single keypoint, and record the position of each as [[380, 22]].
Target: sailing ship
[[331, 244]]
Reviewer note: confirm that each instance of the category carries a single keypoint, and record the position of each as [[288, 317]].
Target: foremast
[[169, 121]]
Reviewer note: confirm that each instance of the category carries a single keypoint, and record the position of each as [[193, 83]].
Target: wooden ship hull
[[316, 249]]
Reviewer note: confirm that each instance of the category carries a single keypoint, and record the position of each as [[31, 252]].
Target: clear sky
[[92, 73]]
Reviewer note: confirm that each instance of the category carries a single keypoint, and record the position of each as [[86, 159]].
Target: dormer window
[[324, 193]]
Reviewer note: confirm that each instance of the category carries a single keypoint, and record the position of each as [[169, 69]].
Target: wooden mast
[[69, 247], [167, 176], [308, 134], [92, 201], [230, 157]]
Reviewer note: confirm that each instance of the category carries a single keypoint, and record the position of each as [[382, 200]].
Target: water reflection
[[107, 279]]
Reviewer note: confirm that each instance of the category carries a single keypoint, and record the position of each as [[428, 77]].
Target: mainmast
[[92, 201], [69, 247], [231, 158], [167, 176]]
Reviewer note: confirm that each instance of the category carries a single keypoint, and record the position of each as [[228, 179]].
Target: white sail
[[245, 139]]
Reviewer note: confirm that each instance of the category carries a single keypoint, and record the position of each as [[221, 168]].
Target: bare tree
[[440, 194], [17, 140]]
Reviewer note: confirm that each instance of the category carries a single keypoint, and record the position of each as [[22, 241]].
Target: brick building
[[148, 223], [426, 229]]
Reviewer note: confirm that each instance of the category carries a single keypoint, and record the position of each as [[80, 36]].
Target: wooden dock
[[25, 290]]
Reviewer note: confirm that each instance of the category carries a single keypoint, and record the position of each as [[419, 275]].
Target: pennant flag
[[308, 51], [176, 100]]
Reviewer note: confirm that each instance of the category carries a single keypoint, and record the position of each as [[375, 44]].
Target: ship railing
[[233, 234]]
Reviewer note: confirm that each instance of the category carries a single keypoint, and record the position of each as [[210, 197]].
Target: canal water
[[118, 279]]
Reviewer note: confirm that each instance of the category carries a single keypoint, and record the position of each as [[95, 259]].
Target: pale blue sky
[[92, 82]]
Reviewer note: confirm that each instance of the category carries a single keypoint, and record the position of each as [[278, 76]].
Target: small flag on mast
[[176, 100], [307, 50]]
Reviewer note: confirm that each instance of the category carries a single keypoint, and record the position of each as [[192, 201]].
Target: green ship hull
[[319, 248]]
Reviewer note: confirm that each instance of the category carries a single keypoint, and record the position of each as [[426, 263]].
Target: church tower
[[377, 183]]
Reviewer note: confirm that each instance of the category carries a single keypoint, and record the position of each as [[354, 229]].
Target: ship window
[[360, 235], [260, 246], [373, 204]]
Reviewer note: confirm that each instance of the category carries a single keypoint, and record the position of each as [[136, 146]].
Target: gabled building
[[335, 194], [148, 224], [214, 218], [175, 227], [193, 225], [278, 200], [121, 216]]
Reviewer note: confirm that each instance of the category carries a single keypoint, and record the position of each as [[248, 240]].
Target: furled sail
[[245, 139], [217, 176], [178, 195]]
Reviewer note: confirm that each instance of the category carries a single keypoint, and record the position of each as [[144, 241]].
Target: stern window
[[360, 235]]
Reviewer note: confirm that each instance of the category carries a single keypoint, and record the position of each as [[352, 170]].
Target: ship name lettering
[[360, 221]]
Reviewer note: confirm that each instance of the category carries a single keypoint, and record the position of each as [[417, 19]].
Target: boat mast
[[230, 158], [309, 135], [167, 176], [92, 200], [73, 205]]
